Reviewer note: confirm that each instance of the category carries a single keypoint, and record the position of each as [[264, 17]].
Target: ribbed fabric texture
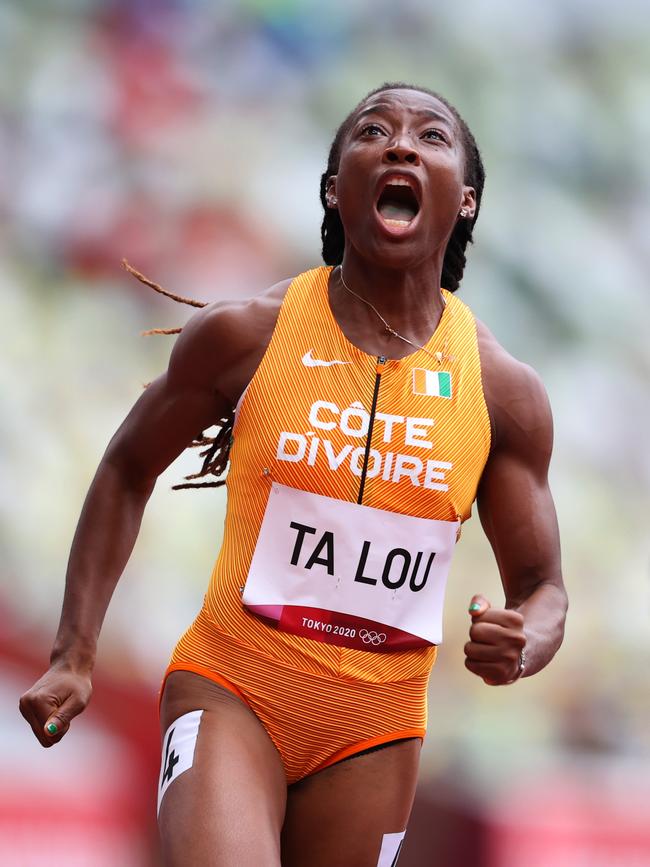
[[278, 400]]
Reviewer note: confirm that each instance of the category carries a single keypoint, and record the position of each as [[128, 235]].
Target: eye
[[428, 134], [372, 129]]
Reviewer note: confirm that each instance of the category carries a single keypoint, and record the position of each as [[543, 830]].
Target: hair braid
[[216, 455], [454, 262], [331, 232]]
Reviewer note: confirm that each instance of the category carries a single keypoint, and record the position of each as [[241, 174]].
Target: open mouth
[[398, 204]]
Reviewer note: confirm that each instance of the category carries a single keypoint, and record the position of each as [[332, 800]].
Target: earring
[[331, 201], [463, 213]]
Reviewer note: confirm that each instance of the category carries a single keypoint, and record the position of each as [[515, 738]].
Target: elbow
[[130, 477]]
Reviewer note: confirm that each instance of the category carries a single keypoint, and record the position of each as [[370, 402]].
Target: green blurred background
[[189, 137]]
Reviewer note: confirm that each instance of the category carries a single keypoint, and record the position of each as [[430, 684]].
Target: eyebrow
[[428, 113]]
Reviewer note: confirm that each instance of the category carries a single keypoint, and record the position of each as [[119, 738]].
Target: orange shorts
[[313, 720]]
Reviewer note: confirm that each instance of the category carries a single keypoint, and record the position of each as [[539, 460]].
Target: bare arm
[[211, 362], [518, 515], [161, 424]]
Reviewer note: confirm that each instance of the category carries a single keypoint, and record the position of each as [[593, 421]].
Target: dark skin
[[233, 806]]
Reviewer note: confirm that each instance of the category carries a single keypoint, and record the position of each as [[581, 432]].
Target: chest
[[385, 433]]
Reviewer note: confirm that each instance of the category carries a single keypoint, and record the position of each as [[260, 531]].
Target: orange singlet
[[302, 425]]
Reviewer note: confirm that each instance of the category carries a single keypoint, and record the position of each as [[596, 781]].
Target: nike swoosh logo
[[309, 361]]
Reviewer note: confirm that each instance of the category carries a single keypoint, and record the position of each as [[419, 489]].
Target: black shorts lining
[[373, 749]]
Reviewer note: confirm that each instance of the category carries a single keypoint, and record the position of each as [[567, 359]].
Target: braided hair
[[216, 449], [332, 233]]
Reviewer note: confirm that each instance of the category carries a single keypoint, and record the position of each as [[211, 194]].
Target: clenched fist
[[496, 642], [53, 701]]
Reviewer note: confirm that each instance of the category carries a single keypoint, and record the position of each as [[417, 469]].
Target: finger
[[495, 672], [491, 673], [35, 709], [26, 709], [58, 722], [484, 632], [36, 706], [506, 659], [503, 616], [483, 652], [478, 605]]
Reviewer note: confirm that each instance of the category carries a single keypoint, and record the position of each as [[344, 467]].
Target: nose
[[401, 151]]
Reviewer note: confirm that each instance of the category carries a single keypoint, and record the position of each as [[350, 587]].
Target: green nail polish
[[475, 606], [52, 729]]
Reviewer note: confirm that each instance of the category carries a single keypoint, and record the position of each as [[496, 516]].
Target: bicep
[[211, 363], [161, 424], [173, 410]]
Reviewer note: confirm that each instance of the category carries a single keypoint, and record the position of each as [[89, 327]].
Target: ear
[[330, 192], [468, 202]]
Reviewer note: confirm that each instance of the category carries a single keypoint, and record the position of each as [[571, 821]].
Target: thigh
[[226, 810], [339, 816]]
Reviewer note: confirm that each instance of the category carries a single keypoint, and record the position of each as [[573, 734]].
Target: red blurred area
[[89, 800]]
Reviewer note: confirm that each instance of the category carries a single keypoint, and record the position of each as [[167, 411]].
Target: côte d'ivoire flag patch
[[435, 383]]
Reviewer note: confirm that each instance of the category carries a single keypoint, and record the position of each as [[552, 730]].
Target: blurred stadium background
[[189, 137]]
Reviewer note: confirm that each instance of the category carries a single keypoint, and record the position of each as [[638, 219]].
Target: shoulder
[[223, 343], [516, 399]]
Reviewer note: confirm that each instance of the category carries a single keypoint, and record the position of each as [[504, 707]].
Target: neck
[[408, 299]]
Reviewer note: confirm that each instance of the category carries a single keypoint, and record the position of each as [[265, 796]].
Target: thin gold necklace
[[439, 356]]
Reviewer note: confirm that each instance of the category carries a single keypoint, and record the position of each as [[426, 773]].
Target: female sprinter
[[371, 410]]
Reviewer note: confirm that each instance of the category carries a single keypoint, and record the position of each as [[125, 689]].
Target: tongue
[[393, 211]]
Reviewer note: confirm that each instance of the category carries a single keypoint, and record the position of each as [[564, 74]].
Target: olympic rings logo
[[375, 638]]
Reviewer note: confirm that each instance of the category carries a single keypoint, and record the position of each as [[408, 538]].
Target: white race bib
[[349, 575]]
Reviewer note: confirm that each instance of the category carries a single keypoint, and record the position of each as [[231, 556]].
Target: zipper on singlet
[[381, 361]]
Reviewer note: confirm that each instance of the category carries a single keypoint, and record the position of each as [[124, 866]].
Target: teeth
[[398, 182], [397, 222]]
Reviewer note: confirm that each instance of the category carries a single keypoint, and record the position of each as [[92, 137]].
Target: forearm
[[544, 613], [106, 533]]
